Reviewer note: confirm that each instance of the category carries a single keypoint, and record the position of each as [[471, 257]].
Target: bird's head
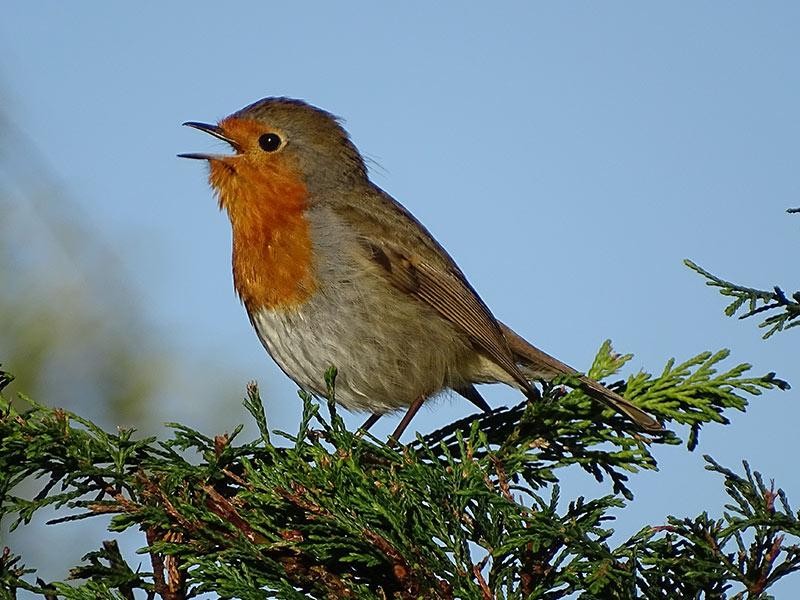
[[279, 144]]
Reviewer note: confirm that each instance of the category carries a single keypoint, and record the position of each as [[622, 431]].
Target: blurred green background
[[76, 334]]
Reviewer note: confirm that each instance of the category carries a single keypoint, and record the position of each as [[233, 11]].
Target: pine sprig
[[574, 430], [746, 548], [330, 513], [694, 393], [752, 301]]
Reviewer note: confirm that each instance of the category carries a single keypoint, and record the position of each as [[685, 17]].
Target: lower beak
[[218, 133], [201, 156]]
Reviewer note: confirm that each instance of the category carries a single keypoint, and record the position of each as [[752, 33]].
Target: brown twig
[[223, 508], [151, 489], [760, 584], [411, 585], [176, 577], [502, 478], [237, 479], [121, 504], [296, 498], [487, 593], [171, 586]]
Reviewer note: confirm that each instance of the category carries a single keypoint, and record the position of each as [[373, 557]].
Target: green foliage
[[72, 328], [689, 556], [788, 308], [69, 325], [470, 511]]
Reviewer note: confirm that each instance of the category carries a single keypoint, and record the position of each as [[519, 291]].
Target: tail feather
[[538, 364], [613, 400]]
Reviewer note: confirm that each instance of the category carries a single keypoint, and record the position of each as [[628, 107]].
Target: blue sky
[[568, 155]]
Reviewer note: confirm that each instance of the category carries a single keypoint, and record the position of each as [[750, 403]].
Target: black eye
[[269, 142]]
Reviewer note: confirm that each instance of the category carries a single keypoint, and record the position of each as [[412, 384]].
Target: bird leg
[[401, 427], [369, 423]]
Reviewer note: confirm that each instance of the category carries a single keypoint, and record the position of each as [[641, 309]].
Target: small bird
[[334, 272]]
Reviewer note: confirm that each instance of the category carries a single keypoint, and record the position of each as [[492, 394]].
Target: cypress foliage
[[780, 311], [469, 511]]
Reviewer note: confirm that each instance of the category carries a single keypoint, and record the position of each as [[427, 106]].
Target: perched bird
[[334, 272]]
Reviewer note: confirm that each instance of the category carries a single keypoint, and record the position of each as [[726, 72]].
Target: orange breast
[[272, 251]]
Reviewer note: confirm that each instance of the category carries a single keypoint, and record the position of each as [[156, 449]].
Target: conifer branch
[[470, 511], [749, 302], [756, 302]]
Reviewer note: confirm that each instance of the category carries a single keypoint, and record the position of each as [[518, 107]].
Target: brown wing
[[428, 273]]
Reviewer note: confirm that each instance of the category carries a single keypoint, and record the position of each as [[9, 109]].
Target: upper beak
[[214, 130]]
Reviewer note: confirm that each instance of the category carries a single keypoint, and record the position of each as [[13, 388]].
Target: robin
[[334, 272]]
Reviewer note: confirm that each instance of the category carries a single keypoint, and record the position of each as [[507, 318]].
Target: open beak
[[218, 133]]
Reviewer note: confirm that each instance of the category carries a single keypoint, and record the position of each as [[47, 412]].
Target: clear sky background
[[568, 155]]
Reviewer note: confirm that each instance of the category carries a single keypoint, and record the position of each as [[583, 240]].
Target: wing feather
[[423, 269]]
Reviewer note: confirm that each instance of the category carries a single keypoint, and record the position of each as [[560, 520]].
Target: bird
[[334, 272]]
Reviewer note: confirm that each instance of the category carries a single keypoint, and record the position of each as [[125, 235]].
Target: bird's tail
[[540, 365]]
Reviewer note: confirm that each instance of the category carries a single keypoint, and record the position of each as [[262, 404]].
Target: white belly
[[389, 349], [384, 356]]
